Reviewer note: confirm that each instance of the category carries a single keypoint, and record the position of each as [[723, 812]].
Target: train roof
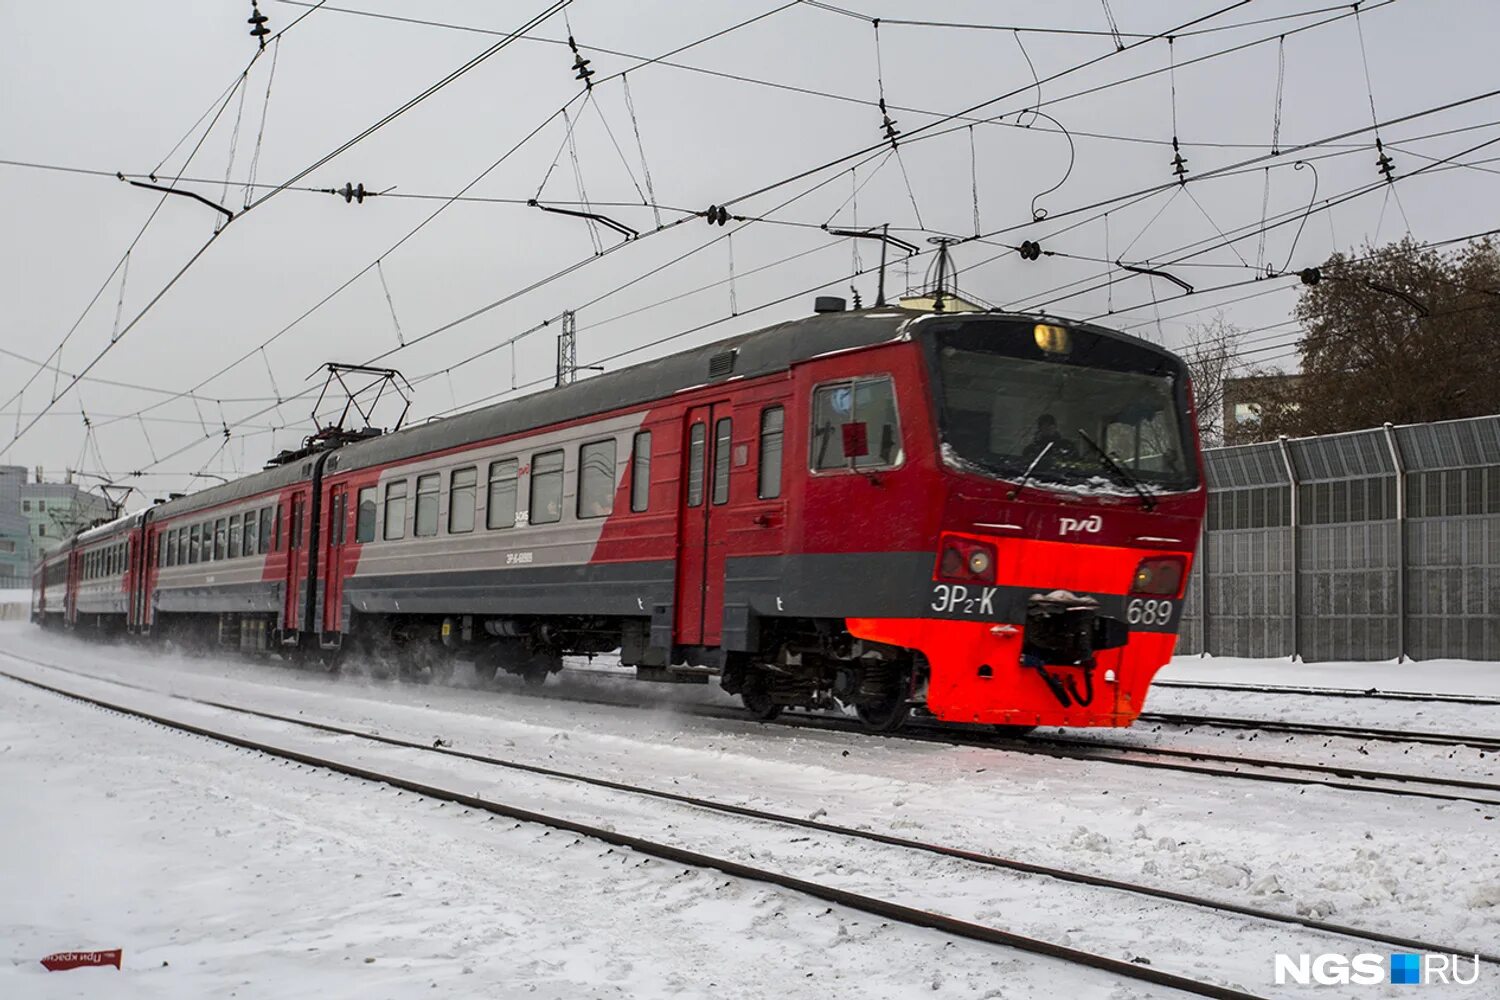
[[125, 522], [748, 355], [760, 352], [253, 485]]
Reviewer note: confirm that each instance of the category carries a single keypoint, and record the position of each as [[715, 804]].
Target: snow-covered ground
[[184, 851], [1471, 677]]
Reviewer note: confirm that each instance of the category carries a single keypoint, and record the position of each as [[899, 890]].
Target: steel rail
[[1325, 729], [1456, 699]]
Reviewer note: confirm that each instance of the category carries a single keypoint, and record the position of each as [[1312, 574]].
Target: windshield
[[1011, 400]]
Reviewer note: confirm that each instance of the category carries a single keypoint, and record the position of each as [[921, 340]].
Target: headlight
[[979, 562]]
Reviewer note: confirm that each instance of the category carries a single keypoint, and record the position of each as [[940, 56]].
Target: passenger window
[[395, 511], [772, 427], [220, 536], [340, 513], [364, 523], [183, 540], [500, 510], [696, 438], [251, 530], [428, 488], [461, 500], [870, 401], [546, 487], [234, 536], [298, 504], [273, 514], [723, 435], [640, 471], [596, 479]]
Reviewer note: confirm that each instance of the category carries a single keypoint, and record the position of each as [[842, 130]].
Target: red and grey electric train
[[989, 516]]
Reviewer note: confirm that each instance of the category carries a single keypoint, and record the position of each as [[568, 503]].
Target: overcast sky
[[113, 87]]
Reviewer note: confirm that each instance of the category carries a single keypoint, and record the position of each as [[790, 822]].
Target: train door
[[295, 511], [142, 549], [332, 564], [74, 562], [704, 536]]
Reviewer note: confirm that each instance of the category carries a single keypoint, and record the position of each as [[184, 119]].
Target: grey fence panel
[[1361, 546]]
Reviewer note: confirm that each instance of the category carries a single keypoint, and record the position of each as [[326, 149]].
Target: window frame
[[696, 427], [723, 456], [849, 468], [614, 470], [435, 479], [453, 493], [385, 510], [640, 472], [760, 456], [489, 494], [562, 484], [360, 537]]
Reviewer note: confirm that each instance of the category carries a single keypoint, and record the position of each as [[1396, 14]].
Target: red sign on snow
[[81, 959]]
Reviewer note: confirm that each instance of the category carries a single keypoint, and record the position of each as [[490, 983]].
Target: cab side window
[[870, 402]]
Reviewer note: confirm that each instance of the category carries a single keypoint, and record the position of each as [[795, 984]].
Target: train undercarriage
[[808, 664]]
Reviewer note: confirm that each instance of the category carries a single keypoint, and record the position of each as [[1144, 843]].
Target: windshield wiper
[[1147, 500], [1025, 478]]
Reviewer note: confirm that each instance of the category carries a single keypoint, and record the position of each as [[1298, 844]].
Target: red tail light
[[1159, 576], [965, 560]]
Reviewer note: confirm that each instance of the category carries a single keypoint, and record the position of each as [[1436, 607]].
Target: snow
[[15, 597], [1462, 677], [267, 860]]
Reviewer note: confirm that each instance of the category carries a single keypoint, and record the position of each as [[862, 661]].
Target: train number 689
[[1143, 611]]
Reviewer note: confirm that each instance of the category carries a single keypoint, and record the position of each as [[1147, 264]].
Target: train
[[984, 517]]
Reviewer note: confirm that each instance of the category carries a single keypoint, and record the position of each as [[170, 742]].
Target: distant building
[[58, 511], [15, 530], [1244, 399]]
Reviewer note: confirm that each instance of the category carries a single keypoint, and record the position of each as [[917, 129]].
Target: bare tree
[[1212, 355]]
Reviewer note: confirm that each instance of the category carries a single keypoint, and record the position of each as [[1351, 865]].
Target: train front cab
[[1072, 495]]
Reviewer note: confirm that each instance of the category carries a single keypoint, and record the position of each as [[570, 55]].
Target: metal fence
[[1362, 546]]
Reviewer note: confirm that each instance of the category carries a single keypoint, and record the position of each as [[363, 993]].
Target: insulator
[[257, 22], [580, 64], [1383, 162], [1179, 164], [717, 215], [352, 192], [1030, 250], [1310, 275]]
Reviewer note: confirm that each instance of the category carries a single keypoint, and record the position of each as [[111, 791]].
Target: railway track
[[878, 906], [1335, 776], [1092, 749], [1319, 729], [1370, 693]]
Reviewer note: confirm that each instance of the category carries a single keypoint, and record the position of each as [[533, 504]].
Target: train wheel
[[886, 717], [757, 698], [1011, 731]]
